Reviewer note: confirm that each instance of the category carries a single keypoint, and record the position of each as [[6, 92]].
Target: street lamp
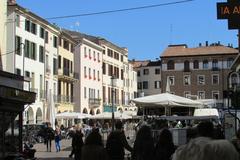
[[113, 78]]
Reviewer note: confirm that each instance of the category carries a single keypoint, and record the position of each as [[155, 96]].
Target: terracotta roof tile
[[175, 51]]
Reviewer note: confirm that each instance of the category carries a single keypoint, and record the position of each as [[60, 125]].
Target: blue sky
[[147, 32]]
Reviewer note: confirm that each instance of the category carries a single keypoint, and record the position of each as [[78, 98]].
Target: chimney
[[206, 43], [11, 2]]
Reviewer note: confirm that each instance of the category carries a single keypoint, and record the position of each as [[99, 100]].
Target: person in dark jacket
[[77, 143], [49, 136], [164, 147], [93, 148], [117, 142], [143, 148]]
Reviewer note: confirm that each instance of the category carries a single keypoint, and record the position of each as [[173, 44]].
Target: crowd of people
[[205, 145]]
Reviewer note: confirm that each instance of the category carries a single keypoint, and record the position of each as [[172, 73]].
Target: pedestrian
[[93, 148], [236, 141], [143, 148], [116, 142], [77, 143], [204, 148], [49, 136], [57, 139], [72, 132], [165, 146]]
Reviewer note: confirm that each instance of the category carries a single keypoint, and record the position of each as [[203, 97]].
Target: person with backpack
[[117, 142]]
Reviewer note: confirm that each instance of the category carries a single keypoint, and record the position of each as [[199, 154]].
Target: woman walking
[[57, 139]]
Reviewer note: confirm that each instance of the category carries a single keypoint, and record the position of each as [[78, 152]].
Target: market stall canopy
[[108, 115], [206, 112], [72, 115], [166, 99]]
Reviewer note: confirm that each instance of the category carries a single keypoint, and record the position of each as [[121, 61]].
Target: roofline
[[197, 55], [27, 12]]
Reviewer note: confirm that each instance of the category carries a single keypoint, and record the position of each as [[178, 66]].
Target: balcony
[[215, 69], [63, 99], [94, 102]]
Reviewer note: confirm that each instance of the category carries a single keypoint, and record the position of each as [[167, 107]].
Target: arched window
[[170, 65], [205, 64], [195, 64], [186, 66]]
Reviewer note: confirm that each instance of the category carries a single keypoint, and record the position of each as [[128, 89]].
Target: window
[[98, 75], [229, 62], [201, 80], [72, 48], [27, 48], [215, 79], [205, 64], [110, 52], [27, 74], [195, 64], [187, 80], [55, 66], [145, 84], [215, 64], [170, 65], [157, 71], [139, 85], [46, 37], [55, 41], [85, 72], [18, 41], [17, 20], [98, 57], [89, 73], [138, 73], [94, 75], [33, 51], [18, 71], [110, 70], [89, 53], [145, 71], [186, 94], [33, 28], [215, 95], [41, 54], [201, 94], [60, 41], [65, 44], [27, 25], [94, 55], [157, 84], [171, 80], [85, 92], [104, 68], [85, 51], [186, 66], [42, 32], [59, 61], [121, 58]]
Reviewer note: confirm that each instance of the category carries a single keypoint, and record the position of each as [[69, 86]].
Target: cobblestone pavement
[[42, 154]]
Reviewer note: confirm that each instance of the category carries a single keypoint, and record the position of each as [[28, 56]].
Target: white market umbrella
[[166, 99], [72, 115], [108, 115], [51, 113]]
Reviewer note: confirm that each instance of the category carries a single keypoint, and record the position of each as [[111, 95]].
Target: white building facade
[[32, 40]]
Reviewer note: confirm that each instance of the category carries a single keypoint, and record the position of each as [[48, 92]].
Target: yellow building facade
[[66, 75]]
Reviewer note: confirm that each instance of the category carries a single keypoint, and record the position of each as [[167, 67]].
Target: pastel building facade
[[35, 57]]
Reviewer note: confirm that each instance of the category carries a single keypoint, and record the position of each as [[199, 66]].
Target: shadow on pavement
[[58, 158]]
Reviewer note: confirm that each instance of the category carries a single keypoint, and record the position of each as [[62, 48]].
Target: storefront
[[12, 102]]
